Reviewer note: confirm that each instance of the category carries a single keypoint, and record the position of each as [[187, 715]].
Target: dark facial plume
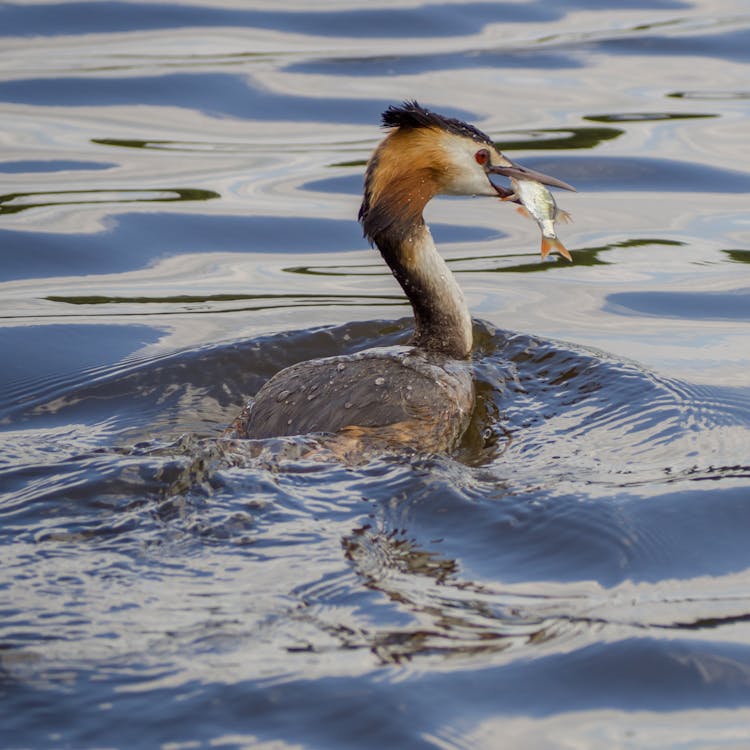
[[412, 115]]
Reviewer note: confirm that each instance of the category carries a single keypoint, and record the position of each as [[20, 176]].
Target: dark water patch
[[711, 95], [98, 499], [738, 256], [379, 710], [642, 174], [596, 396], [726, 305], [14, 203], [216, 94], [733, 46], [173, 145], [443, 233], [214, 380], [344, 184], [638, 673], [627, 5], [48, 359], [647, 116], [213, 304], [485, 605], [590, 255], [439, 19], [550, 139], [493, 529], [262, 300], [392, 65], [52, 165], [555, 407], [137, 240], [185, 495]]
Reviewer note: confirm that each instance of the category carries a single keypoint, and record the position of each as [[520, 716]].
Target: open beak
[[516, 171]]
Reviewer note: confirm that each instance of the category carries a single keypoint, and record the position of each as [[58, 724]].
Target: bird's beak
[[518, 172]]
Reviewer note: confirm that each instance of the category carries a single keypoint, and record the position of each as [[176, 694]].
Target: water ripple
[[178, 222]]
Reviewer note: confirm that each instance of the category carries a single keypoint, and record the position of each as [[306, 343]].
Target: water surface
[[180, 183]]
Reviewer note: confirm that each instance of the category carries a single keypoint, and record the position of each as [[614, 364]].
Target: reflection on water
[[216, 94], [729, 45], [710, 95], [738, 256], [728, 305], [647, 116], [434, 20], [178, 190], [545, 140], [15, 202], [57, 165]]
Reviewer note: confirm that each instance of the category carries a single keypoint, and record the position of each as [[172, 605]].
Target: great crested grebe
[[419, 396]]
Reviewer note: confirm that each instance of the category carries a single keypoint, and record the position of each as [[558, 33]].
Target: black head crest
[[411, 115]]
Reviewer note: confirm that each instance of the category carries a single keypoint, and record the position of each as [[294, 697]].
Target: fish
[[539, 204]]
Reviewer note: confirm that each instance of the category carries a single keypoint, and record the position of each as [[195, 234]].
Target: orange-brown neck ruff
[[402, 176]]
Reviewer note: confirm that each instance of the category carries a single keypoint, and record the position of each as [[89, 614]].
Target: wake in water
[[568, 513]]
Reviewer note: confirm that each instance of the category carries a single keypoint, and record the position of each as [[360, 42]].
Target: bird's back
[[395, 395]]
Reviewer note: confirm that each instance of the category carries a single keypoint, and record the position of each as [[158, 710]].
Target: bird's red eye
[[482, 156]]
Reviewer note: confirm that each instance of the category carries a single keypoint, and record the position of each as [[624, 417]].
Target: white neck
[[443, 322]]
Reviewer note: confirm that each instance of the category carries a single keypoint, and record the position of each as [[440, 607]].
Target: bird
[[418, 396]]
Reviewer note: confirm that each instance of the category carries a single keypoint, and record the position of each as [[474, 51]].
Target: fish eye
[[482, 156]]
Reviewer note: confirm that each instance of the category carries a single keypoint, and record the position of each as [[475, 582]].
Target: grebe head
[[426, 154]]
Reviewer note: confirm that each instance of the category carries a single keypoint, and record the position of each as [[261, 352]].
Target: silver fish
[[538, 203]]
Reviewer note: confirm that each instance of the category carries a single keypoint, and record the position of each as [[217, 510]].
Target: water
[[180, 183]]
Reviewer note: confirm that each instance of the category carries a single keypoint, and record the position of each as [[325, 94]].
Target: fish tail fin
[[552, 243], [563, 216]]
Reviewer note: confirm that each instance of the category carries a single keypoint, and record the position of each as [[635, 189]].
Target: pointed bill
[[518, 172]]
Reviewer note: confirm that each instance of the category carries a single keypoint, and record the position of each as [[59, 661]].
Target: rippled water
[[180, 183]]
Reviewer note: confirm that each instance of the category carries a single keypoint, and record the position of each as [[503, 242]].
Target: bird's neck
[[443, 322]]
